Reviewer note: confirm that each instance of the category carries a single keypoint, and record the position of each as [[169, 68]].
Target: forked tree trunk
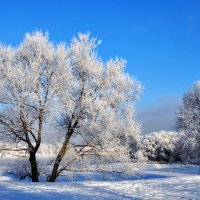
[[34, 168]]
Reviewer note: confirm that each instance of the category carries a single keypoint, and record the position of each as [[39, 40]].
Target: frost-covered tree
[[188, 114], [188, 119], [69, 97], [30, 78], [188, 149], [97, 113]]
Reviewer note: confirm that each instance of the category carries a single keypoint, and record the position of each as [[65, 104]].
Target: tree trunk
[[57, 163], [34, 168], [62, 151]]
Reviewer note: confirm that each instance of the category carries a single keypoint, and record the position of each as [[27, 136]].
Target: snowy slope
[[157, 182]]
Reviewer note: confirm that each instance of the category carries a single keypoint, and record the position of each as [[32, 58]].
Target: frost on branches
[[161, 146], [66, 96], [188, 122]]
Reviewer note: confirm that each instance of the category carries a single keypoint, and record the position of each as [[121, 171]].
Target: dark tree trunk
[[63, 150], [62, 153], [59, 158], [34, 168]]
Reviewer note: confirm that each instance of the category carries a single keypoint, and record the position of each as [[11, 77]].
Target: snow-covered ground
[[153, 182]]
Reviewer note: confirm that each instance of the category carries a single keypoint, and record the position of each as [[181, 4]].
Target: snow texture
[[154, 182]]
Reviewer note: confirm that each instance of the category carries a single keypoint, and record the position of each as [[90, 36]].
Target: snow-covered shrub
[[169, 147], [21, 169], [161, 146], [141, 156]]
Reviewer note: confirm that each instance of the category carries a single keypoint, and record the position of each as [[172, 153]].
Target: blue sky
[[159, 38]]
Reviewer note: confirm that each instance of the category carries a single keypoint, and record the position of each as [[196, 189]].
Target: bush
[[21, 169], [161, 146]]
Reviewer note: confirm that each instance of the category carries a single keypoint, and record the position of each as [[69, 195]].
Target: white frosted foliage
[[68, 97]]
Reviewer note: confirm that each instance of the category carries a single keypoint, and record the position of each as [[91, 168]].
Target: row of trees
[[68, 97]]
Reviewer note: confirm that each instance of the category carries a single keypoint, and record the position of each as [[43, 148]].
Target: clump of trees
[[161, 146], [169, 147], [68, 97]]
